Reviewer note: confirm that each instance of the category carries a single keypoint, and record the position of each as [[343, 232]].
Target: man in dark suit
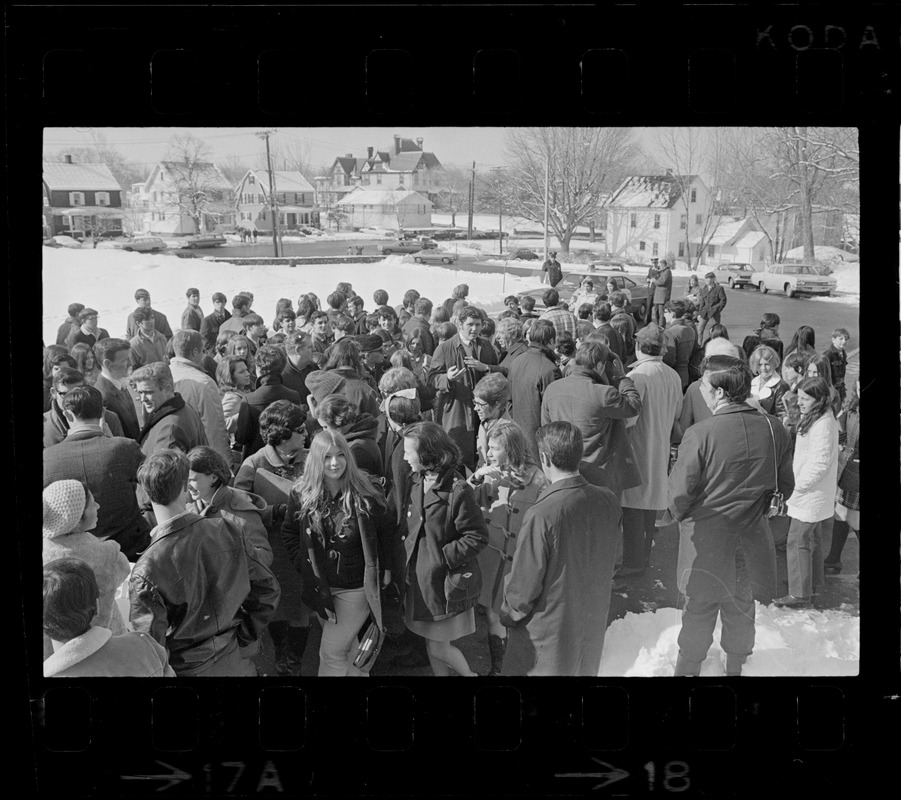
[[114, 358], [107, 465], [270, 362], [56, 425]]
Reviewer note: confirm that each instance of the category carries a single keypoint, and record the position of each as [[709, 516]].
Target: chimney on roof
[[349, 155], [396, 144], [369, 152], [419, 142], [68, 159]]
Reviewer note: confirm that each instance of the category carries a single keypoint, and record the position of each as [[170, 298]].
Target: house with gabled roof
[[740, 241], [294, 196], [163, 206], [647, 216], [406, 166], [80, 198], [385, 208]]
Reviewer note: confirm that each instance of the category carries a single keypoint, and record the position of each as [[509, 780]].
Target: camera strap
[[775, 461]]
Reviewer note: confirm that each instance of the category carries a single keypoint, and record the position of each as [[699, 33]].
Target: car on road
[[794, 279], [523, 254], [62, 241], [609, 264], [408, 246], [141, 244], [571, 280], [450, 233], [434, 257], [205, 240], [735, 275]]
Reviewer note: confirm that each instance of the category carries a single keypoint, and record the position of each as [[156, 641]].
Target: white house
[[385, 208], [78, 198], [294, 196], [736, 240], [647, 216]]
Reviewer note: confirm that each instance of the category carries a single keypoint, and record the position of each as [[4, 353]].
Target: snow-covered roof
[[79, 177], [382, 197], [750, 239], [649, 191], [405, 162], [285, 181], [725, 232]]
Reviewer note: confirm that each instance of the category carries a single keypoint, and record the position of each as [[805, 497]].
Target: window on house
[[46, 200], [162, 215], [263, 214], [656, 220], [366, 179], [378, 179], [683, 221], [697, 219], [710, 251], [681, 249], [655, 248], [641, 245], [251, 180], [633, 220], [76, 198], [694, 195], [102, 198], [155, 197]]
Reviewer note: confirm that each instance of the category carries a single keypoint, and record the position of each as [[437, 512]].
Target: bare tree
[[581, 164], [689, 152], [201, 190], [453, 191], [102, 152], [292, 154], [233, 168]]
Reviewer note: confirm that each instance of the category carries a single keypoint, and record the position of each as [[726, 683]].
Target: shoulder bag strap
[[775, 462]]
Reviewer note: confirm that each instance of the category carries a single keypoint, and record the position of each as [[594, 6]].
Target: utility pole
[[273, 207], [547, 184], [472, 187], [498, 188]]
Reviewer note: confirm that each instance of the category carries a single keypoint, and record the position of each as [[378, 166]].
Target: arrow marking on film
[[610, 775], [171, 779]]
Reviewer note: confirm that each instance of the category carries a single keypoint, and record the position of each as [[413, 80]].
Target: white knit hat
[[720, 347], [64, 504]]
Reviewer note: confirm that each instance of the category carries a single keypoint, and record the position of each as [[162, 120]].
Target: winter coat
[[554, 271], [453, 405], [160, 324], [201, 393], [108, 466], [358, 391], [625, 325], [99, 654], [838, 365], [417, 323], [816, 471], [200, 590], [56, 426], [719, 490], [681, 339], [120, 402], [240, 506], [172, 425], [234, 322], [209, 329], [599, 411], [78, 336], [712, 301], [530, 376], [849, 456], [661, 404], [694, 409], [65, 329], [148, 349], [231, 405], [663, 287], [512, 354], [362, 440], [614, 340], [446, 532], [770, 393], [378, 539], [295, 379], [557, 595], [563, 321], [191, 318], [269, 389]]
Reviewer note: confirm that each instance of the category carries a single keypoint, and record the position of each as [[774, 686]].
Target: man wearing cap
[[142, 298], [711, 302], [107, 465], [663, 289], [192, 316], [553, 269], [210, 325], [660, 391], [87, 331]]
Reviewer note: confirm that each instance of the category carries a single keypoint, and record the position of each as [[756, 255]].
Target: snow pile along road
[[788, 642]]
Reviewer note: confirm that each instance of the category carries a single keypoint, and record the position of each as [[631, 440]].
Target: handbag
[[393, 611], [369, 644], [777, 507]]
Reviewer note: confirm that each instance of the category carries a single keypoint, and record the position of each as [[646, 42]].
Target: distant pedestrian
[[711, 302], [254, 235], [553, 269]]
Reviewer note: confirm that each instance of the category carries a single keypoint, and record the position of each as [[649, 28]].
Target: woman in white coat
[[815, 468]]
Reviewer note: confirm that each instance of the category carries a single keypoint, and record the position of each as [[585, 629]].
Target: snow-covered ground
[[788, 642], [106, 280]]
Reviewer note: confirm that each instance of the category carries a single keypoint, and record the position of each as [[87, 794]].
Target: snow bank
[[788, 642], [106, 280]]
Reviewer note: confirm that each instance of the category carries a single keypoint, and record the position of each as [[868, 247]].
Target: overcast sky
[[452, 146]]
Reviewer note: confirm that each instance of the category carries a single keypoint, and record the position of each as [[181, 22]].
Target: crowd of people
[[388, 474]]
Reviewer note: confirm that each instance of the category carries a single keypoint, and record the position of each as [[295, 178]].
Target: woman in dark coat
[[767, 387], [338, 534], [447, 531], [847, 498]]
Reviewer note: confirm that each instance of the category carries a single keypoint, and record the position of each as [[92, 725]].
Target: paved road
[[263, 247]]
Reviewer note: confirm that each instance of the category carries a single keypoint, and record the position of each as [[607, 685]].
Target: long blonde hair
[[355, 487]]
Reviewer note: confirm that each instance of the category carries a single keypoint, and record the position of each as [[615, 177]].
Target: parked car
[[523, 254], [450, 233], [410, 246], [62, 241], [434, 257], [112, 233], [608, 263], [735, 275], [571, 280], [205, 240], [794, 279], [142, 244]]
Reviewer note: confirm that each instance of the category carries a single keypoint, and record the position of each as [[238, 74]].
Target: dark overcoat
[[530, 375], [719, 490], [557, 595]]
